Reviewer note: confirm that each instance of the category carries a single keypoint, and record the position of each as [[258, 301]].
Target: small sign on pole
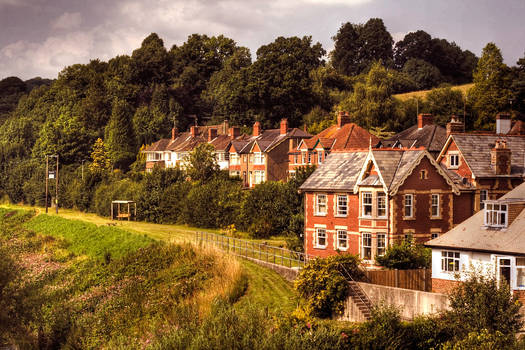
[[51, 174]]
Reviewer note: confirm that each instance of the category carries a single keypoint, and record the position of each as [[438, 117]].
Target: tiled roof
[[432, 137], [158, 146], [349, 136], [475, 149], [338, 172], [269, 139], [518, 128], [221, 142], [472, 235]]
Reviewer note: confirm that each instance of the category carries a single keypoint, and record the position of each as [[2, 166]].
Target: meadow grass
[[422, 93]]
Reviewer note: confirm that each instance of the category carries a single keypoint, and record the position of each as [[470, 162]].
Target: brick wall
[[443, 286]]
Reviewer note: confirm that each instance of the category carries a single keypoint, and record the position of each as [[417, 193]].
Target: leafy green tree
[[151, 63], [405, 256], [443, 103], [482, 303], [423, 73], [100, 161], [120, 140], [415, 45], [518, 86], [490, 93], [11, 89], [202, 164], [345, 56]]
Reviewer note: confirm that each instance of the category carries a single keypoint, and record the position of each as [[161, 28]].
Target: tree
[[518, 86], [423, 73], [151, 62], [481, 302], [490, 93], [100, 161], [202, 164], [414, 45], [406, 256], [443, 103], [345, 56], [120, 140]]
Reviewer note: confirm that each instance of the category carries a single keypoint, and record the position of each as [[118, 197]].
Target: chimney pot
[[193, 131], [235, 132], [455, 126], [343, 118], [212, 133], [225, 127], [424, 119], [174, 133], [500, 158], [256, 129], [284, 126]]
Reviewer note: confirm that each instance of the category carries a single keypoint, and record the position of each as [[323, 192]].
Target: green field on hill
[[422, 93]]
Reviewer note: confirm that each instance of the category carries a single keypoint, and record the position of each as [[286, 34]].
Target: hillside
[[422, 93], [89, 286]]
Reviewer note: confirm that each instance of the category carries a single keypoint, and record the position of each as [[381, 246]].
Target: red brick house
[[344, 135], [361, 202], [491, 241], [263, 156], [489, 164]]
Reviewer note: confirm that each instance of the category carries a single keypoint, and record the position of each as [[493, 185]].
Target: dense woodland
[[104, 112]]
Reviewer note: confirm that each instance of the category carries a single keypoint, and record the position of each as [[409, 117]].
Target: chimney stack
[[455, 126], [212, 133], [225, 127], [235, 132], [284, 126], [174, 133], [343, 118], [503, 123], [256, 129], [193, 131], [424, 119], [500, 157]]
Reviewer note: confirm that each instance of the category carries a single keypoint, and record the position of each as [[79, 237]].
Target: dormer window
[[496, 215]]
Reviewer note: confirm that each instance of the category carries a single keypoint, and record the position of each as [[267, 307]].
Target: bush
[[115, 190], [383, 331], [322, 285], [154, 186], [405, 256]]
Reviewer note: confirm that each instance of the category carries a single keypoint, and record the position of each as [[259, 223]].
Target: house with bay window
[[344, 135], [263, 156], [361, 202], [491, 241]]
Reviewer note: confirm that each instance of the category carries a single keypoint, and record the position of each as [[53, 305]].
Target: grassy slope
[[265, 287], [422, 93]]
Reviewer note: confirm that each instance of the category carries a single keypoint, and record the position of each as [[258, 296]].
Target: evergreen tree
[[119, 135], [100, 161], [490, 93]]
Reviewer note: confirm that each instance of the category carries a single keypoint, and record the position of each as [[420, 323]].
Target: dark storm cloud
[[39, 38]]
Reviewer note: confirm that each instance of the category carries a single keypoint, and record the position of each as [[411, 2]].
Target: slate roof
[[340, 170], [472, 235], [475, 150], [432, 137], [268, 139], [518, 128], [348, 136]]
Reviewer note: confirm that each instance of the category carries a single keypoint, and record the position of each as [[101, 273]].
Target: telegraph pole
[[47, 178], [56, 187]]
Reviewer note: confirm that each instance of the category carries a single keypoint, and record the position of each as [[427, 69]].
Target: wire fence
[[254, 250]]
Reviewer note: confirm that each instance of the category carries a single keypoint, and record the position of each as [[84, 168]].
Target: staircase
[[357, 294]]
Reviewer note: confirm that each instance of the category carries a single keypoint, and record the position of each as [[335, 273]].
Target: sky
[[41, 37]]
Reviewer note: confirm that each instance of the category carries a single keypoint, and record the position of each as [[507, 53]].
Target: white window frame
[[318, 204], [450, 261], [234, 159], [309, 157], [341, 209], [368, 196], [342, 236], [303, 157], [381, 205], [319, 157], [259, 158], [381, 250], [519, 266], [366, 237], [496, 215], [258, 176], [483, 196], [435, 205], [322, 230], [453, 160], [410, 205]]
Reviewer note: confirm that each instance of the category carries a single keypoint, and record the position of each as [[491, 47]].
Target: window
[[296, 159], [235, 173], [423, 174], [367, 246], [321, 237], [259, 158], [449, 261], [409, 205], [367, 204], [342, 240], [435, 206], [496, 215], [259, 176], [453, 160], [320, 207], [309, 158], [167, 156], [303, 155], [520, 272], [319, 157], [381, 204], [434, 235], [342, 205], [234, 159], [483, 196], [381, 244]]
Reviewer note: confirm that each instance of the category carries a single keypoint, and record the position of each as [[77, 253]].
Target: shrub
[[383, 331], [114, 190], [405, 256], [322, 285]]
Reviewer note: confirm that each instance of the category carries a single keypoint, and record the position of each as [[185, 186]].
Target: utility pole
[[47, 179], [83, 169], [56, 187]]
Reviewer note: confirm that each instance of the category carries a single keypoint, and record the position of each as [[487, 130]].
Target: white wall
[[467, 261]]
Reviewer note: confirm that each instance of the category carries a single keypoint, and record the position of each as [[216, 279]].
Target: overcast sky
[[41, 37]]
